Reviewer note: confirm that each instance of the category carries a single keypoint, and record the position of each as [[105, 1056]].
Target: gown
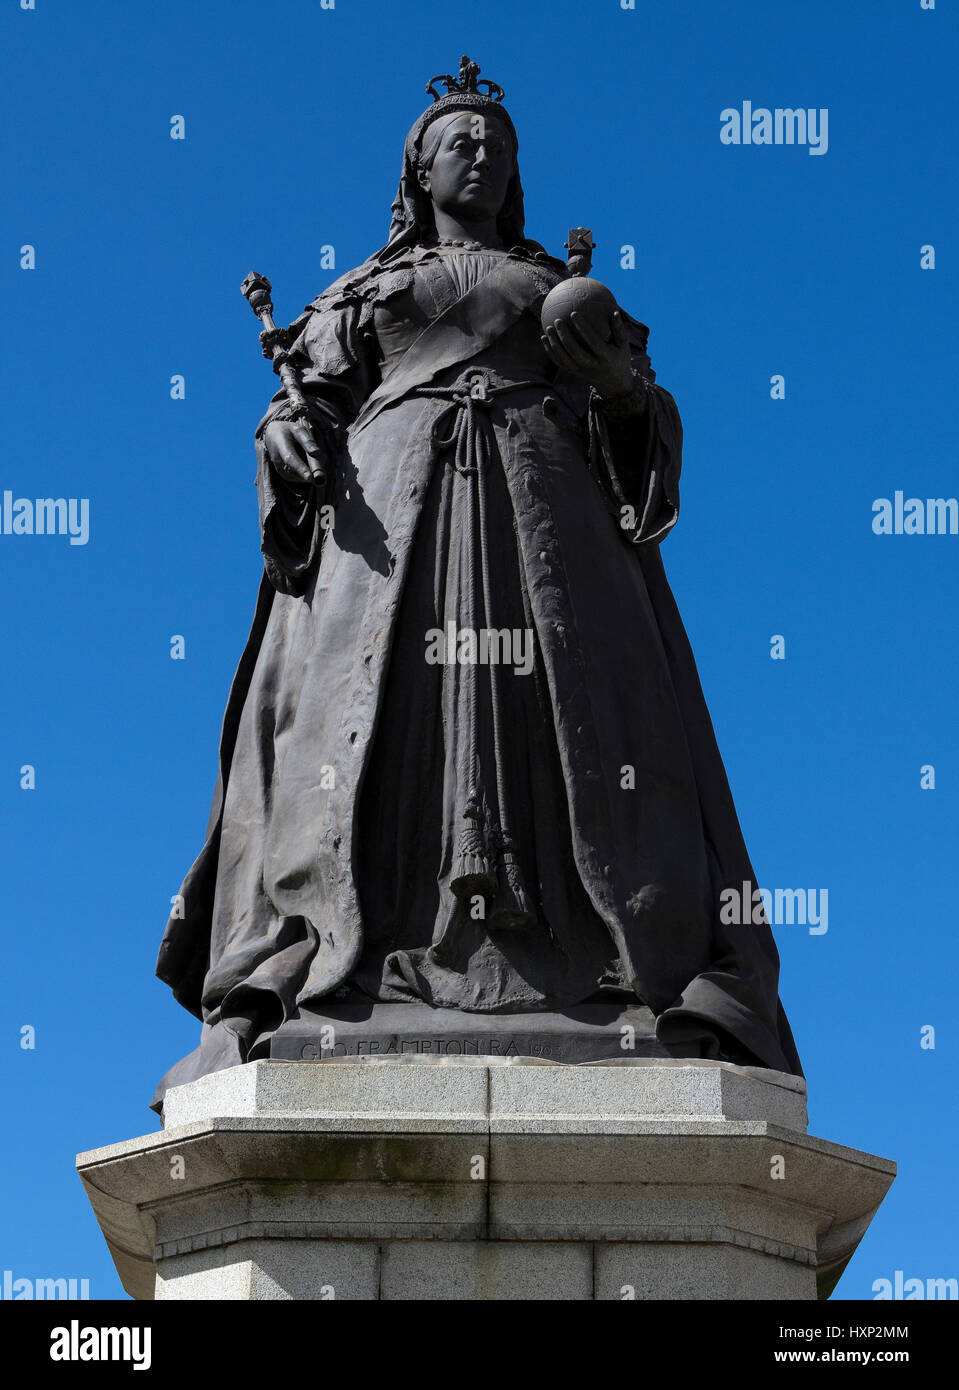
[[464, 750], [466, 758]]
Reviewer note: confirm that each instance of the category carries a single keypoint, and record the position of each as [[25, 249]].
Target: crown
[[466, 83]]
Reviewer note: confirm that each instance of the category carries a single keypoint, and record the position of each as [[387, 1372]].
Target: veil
[[412, 211]]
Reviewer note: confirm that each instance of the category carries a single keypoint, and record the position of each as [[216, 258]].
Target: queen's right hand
[[293, 451]]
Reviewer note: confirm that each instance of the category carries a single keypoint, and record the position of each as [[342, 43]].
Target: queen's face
[[471, 169]]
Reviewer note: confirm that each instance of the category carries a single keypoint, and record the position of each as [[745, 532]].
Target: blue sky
[[751, 261]]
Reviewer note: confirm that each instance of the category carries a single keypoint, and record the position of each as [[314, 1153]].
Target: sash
[[470, 324]]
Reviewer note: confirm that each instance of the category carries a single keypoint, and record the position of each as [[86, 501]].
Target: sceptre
[[580, 247], [275, 343]]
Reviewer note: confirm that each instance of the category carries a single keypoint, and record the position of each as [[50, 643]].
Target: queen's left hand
[[576, 347]]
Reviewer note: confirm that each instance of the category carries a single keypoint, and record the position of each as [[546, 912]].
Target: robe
[[394, 814]]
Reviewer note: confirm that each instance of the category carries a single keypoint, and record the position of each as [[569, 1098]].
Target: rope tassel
[[513, 908], [473, 873]]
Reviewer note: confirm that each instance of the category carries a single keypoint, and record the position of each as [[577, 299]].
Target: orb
[[581, 295]]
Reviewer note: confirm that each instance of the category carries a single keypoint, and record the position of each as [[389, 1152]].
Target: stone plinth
[[426, 1178]]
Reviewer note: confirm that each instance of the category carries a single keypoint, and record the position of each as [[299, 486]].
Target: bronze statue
[[466, 763]]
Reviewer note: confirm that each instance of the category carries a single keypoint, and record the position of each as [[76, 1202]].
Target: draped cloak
[[328, 858]]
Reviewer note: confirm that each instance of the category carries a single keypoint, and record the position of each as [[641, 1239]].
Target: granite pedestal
[[425, 1177]]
